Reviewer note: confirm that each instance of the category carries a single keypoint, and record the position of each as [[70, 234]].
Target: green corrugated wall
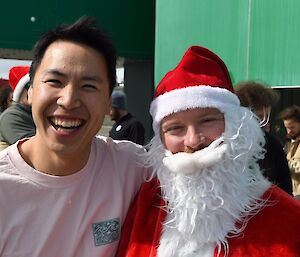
[[257, 39], [130, 22]]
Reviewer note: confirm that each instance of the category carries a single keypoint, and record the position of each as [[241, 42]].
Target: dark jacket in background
[[128, 128], [275, 166]]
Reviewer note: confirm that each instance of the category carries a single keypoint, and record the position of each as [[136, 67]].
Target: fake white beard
[[188, 163], [210, 199]]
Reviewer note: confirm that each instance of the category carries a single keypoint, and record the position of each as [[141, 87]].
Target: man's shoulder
[[6, 163], [132, 119], [15, 110], [3, 155], [297, 153], [126, 157], [123, 146], [281, 212], [274, 228]]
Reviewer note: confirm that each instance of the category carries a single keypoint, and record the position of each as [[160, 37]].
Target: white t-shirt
[[69, 216]]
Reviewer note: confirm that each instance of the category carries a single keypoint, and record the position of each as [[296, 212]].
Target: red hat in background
[[200, 80], [18, 79]]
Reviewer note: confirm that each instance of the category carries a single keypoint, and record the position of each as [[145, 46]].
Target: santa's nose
[[193, 141]]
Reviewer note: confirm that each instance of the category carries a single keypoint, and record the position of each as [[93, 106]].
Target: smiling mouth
[[66, 124]]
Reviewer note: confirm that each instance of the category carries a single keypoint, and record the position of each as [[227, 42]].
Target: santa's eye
[[173, 129], [207, 121]]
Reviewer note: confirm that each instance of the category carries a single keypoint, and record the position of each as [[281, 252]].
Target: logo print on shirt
[[118, 128], [106, 232]]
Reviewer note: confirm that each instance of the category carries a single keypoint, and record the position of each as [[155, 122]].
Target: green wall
[[130, 22], [257, 39]]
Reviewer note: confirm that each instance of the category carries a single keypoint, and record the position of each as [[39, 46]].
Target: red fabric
[[16, 73], [3, 83], [273, 232], [142, 228], [199, 66]]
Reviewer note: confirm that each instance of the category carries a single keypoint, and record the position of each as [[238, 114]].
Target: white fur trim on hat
[[19, 87], [201, 96]]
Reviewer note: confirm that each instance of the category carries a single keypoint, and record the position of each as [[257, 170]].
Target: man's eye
[[210, 119], [52, 82], [89, 87]]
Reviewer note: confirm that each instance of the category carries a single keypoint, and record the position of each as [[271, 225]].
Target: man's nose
[[289, 132], [69, 97], [194, 140]]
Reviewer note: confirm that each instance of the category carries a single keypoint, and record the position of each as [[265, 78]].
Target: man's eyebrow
[[213, 114], [92, 78], [54, 72], [84, 77]]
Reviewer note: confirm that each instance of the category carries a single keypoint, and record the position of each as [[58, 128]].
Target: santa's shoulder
[[280, 208], [274, 230]]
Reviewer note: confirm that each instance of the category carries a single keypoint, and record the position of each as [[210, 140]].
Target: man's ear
[[29, 94], [108, 106]]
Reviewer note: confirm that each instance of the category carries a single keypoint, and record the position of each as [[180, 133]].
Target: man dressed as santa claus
[[207, 196]]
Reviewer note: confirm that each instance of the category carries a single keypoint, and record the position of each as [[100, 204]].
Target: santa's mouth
[[66, 124]]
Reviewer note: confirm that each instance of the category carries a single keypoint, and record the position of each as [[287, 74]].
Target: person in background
[[291, 121], [64, 191], [5, 98], [16, 122], [260, 100], [209, 197], [126, 126]]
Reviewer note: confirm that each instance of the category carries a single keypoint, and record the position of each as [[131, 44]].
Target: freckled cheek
[[217, 131], [214, 132], [173, 144]]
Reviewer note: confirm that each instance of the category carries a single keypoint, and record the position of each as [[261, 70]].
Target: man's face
[[114, 114], [192, 130], [292, 128], [69, 97]]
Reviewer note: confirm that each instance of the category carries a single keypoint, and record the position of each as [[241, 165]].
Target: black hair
[[83, 31], [291, 113], [255, 94], [4, 93]]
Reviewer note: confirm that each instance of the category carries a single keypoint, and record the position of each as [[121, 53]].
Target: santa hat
[[18, 79], [201, 79]]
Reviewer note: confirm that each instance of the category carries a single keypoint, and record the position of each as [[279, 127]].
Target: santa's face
[[200, 188], [191, 130]]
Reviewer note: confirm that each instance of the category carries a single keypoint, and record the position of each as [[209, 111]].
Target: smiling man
[[64, 192], [209, 197]]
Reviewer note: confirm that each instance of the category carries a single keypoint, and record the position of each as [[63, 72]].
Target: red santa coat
[[273, 232]]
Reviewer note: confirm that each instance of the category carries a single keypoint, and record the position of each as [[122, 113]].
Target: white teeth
[[66, 123]]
